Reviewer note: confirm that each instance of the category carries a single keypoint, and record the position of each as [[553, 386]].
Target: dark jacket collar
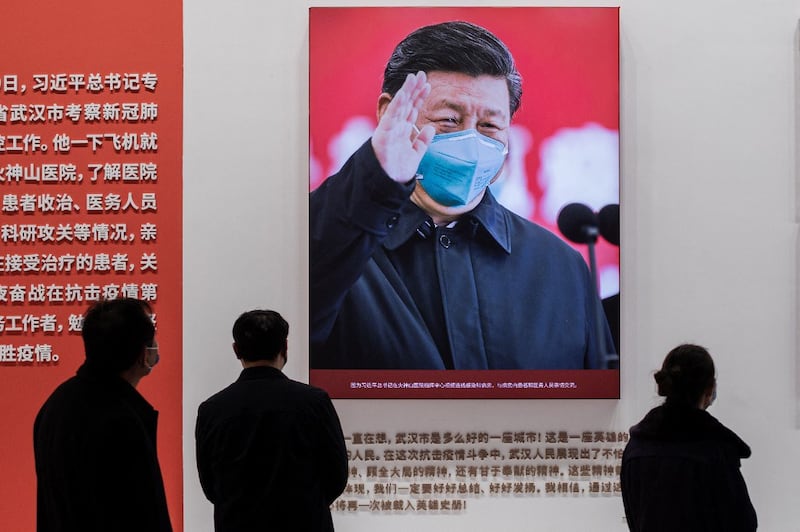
[[488, 215], [261, 372], [680, 423], [117, 387]]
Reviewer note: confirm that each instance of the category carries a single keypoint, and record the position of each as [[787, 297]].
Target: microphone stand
[[611, 360]]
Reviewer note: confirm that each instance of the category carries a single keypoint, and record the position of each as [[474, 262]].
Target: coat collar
[[117, 386], [261, 372], [675, 422], [488, 215]]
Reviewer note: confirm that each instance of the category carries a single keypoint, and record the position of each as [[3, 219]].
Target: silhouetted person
[[681, 467], [270, 450], [95, 437]]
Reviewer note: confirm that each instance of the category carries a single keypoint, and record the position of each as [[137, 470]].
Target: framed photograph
[[492, 271]]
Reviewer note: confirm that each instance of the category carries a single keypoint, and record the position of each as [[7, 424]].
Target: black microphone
[[578, 223], [608, 219], [608, 223]]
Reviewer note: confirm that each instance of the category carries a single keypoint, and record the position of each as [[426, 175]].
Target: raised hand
[[398, 145]]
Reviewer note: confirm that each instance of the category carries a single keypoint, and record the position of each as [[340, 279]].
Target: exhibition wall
[[708, 144], [709, 175], [709, 185], [90, 179]]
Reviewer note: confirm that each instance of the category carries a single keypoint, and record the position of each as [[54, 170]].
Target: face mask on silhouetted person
[[157, 357]]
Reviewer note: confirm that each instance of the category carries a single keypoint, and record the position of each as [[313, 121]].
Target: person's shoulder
[[308, 390], [530, 229], [308, 397], [90, 407], [67, 393], [724, 437], [220, 396], [526, 231], [69, 386]]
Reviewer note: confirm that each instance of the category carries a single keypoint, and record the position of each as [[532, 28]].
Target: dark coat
[[96, 464], [270, 454], [681, 472], [391, 291]]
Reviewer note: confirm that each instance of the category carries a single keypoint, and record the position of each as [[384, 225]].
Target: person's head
[[117, 334], [687, 376], [260, 336], [474, 85], [455, 47]]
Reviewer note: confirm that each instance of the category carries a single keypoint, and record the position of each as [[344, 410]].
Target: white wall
[[710, 242]]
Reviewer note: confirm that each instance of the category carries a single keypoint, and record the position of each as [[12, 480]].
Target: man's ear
[[236, 350], [383, 101]]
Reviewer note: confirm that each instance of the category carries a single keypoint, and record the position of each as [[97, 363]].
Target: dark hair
[[260, 335], [453, 47], [115, 332], [686, 374]]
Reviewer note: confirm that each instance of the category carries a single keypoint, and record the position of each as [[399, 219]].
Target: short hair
[[115, 332], [686, 374], [454, 46], [260, 335]]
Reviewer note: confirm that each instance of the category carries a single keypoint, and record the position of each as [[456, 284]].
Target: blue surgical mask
[[458, 166], [149, 350]]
